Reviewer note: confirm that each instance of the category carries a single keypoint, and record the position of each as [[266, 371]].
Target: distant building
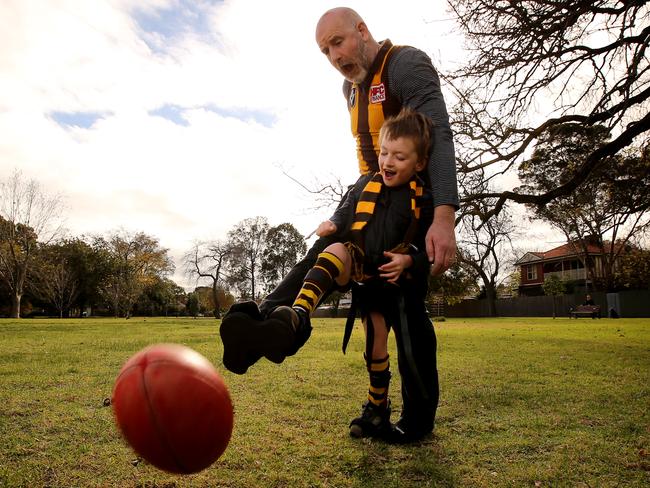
[[566, 262]]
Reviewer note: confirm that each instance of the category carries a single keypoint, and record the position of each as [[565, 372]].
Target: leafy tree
[[17, 248], [27, 214], [553, 286], [207, 260], [458, 282], [136, 260], [193, 304], [67, 273], [160, 297], [608, 210], [284, 246], [247, 241], [633, 270], [512, 282], [538, 64]]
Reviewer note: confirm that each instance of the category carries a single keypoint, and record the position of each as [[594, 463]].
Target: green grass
[[524, 402]]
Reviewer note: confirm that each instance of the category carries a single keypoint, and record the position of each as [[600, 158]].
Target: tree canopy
[[538, 64]]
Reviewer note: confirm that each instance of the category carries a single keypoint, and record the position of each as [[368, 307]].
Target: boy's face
[[398, 161]]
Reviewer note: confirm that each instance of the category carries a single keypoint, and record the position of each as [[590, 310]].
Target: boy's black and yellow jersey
[[388, 225]]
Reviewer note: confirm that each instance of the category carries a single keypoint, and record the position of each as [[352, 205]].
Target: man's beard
[[362, 62]]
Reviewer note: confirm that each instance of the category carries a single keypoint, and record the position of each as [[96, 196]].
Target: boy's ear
[[420, 165]]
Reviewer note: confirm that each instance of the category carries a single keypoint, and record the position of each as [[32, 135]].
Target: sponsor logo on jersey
[[377, 93]]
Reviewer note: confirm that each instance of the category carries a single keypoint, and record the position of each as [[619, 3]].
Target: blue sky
[[177, 117]]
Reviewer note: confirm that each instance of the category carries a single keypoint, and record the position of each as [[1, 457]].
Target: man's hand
[[441, 239]]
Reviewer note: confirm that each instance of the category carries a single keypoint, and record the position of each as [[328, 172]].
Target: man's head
[[405, 142], [342, 36]]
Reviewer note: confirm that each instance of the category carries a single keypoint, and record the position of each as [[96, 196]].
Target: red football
[[173, 407]]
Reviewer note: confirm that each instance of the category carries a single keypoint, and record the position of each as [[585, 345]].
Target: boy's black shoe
[[249, 307], [404, 433], [246, 339], [374, 421]]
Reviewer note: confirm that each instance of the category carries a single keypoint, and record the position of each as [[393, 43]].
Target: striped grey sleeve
[[415, 81]]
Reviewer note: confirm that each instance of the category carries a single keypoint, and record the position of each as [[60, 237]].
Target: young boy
[[380, 252]]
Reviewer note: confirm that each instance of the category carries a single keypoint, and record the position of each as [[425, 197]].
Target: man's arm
[[414, 79]]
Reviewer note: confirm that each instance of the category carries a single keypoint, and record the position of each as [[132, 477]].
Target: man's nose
[[335, 55]]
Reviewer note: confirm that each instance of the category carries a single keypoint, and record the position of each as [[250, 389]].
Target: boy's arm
[[343, 216]]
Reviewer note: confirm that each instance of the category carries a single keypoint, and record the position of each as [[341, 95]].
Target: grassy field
[[524, 402]]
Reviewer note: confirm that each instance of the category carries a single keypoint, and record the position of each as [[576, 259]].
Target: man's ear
[[363, 31]]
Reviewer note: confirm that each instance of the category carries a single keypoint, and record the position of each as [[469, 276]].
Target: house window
[[531, 272]]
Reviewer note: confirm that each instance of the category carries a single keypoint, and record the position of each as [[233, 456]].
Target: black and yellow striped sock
[[379, 372], [319, 279]]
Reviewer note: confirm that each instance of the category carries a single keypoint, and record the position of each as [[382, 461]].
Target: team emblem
[[377, 93], [353, 96]]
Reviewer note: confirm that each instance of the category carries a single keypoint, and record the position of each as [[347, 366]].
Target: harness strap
[[408, 347], [352, 315]]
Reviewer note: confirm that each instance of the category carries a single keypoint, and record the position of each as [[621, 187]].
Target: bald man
[[380, 79]]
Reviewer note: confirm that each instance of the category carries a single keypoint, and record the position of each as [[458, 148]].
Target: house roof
[[530, 257], [565, 250]]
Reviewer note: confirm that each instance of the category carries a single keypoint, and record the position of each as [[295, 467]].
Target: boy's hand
[[392, 270], [326, 228]]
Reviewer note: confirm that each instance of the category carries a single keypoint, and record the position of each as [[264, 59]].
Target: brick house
[[566, 262]]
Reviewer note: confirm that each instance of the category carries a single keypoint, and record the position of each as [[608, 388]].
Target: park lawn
[[524, 402]]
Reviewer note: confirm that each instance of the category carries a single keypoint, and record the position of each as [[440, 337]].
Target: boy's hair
[[411, 124]]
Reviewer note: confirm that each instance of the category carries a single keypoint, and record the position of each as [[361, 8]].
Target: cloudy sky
[[177, 117]]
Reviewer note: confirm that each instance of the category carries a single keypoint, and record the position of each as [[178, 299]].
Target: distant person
[[589, 300]]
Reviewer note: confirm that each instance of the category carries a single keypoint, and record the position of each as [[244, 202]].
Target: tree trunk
[[215, 298], [490, 294], [15, 306]]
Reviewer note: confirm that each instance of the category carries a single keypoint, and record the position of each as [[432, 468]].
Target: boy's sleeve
[[343, 216]]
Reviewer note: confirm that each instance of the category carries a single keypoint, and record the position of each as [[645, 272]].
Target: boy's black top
[[388, 226]]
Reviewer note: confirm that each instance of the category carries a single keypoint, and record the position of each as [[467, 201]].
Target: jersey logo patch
[[377, 93], [353, 96]]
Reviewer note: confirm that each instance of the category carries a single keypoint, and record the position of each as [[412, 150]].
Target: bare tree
[[28, 215], [536, 64], [207, 260], [485, 247], [325, 195]]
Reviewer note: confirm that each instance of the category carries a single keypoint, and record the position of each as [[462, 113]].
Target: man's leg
[[287, 290], [416, 347], [248, 333]]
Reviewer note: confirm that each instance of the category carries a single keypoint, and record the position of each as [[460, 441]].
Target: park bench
[[592, 311]]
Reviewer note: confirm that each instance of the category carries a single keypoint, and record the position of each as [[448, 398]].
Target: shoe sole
[[244, 337]]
